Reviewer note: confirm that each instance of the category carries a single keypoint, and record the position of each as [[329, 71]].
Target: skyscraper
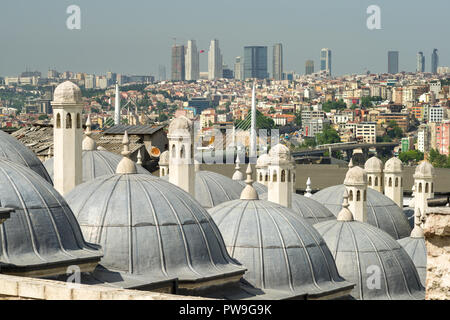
[[393, 62], [325, 60], [178, 67], [192, 60], [309, 67], [255, 62], [238, 68], [434, 61], [214, 61], [420, 62], [277, 63]]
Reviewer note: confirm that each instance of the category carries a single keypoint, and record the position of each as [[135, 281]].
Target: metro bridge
[[346, 146]]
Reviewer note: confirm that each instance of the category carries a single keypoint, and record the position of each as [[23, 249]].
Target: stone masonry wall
[[437, 236]]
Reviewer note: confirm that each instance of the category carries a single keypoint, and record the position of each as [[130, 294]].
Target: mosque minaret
[[280, 177], [68, 135]]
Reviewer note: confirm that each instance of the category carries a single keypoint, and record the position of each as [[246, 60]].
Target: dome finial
[[417, 231], [308, 193], [345, 214], [350, 164], [126, 165], [139, 158], [88, 143], [238, 176], [249, 193]]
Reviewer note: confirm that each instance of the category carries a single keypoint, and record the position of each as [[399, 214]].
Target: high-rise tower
[[255, 62], [420, 62], [393, 62], [215, 63], [325, 60], [178, 66], [277, 63], [434, 61], [192, 61]]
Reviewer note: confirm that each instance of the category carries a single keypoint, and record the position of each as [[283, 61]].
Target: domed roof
[[417, 250], [279, 154], [12, 149], [309, 209], [382, 212], [67, 93], [263, 161], [164, 158], [42, 236], [356, 176], [424, 170], [146, 225], [362, 251], [180, 124], [373, 165], [96, 163], [393, 165], [280, 250], [211, 189]]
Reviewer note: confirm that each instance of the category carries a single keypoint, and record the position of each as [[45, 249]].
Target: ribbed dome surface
[[212, 189], [148, 226], [417, 250], [67, 92], [424, 170], [382, 212], [96, 163], [12, 149], [42, 233], [361, 250], [309, 209], [373, 165], [280, 250], [393, 165]]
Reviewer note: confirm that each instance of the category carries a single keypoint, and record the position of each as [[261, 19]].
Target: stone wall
[[437, 236], [22, 288]]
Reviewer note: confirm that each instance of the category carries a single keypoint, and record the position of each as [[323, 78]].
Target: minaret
[[393, 180], [181, 154], [374, 169], [419, 219], [252, 152], [308, 193], [126, 165], [423, 182], [238, 175], [88, 144], [67, 137], [117, 106], [356, 185], [280, 178], [164, 164]]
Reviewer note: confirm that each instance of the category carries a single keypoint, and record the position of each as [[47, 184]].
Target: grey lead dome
[[96, 163], [280, 249], [382, 212], [148, 226], [309, 209], [42, 236], [361, 250], [12, 149]]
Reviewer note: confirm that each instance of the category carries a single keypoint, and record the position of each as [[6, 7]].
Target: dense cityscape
[[311, 108]]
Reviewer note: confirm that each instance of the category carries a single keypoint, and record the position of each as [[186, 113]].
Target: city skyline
[[145, 47]]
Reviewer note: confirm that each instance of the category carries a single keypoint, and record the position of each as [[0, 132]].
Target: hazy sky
[[135, 36]]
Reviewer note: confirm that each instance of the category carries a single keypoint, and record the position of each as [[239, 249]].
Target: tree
[[394, 131], [438, 160], [328, 135], [43, 117], [411, 155], [298, 119], [338, 105], [366, 102], [163, 117]]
